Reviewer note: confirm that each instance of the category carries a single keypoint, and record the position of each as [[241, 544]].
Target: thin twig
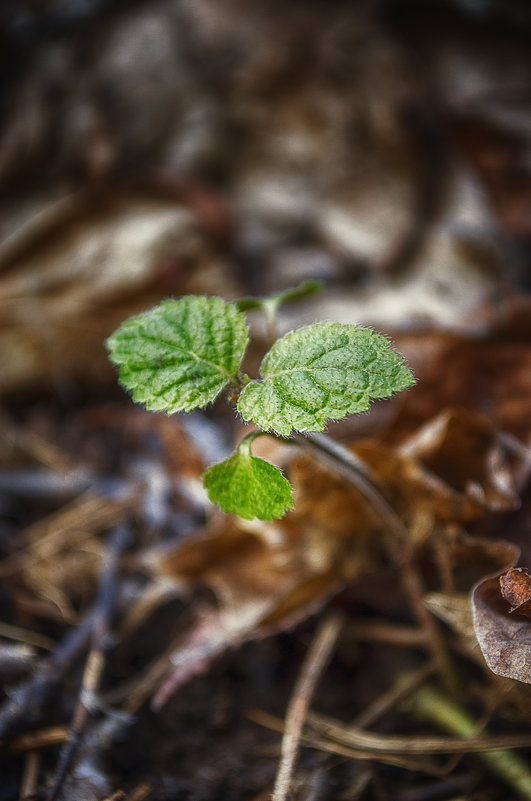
[[388, 633], [28, 637], [118, 795], [372, 745], [399, 744], [30, 776], [95, 661], [139, 793], [312, 667], [329, 746], [44, 738], [357, 473]]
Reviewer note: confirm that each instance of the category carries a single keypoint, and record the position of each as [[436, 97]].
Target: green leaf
[[248, 486], [182, 353], [319, 372]]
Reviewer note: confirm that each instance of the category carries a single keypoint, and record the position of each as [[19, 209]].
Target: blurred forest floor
[[151, 647]]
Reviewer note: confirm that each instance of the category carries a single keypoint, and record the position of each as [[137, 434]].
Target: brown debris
[[505, 640], [515, 587]]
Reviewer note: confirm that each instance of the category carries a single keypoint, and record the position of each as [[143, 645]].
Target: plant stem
[[434, 707]]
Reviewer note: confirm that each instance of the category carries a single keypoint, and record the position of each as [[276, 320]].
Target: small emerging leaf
[[299, 292], [319, 372], [248, 486], [179, 355]]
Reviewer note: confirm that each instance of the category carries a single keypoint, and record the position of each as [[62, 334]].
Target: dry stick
[[329, 746], [140, 792], [388, 633], [312, 667], [29, 637], [30, 777], [118, 795], [44, 738], [400, 744], [94, 664], [356, 471]]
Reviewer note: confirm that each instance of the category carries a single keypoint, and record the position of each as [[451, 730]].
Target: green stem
[[247, 441], [270, 309], [434, 707]]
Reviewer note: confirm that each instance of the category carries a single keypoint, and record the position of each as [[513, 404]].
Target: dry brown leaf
[[451, 472], [65, 284], [263, 579], [485, 618], [515, 587], [463, 449], [505, 640], [469, 558], [490, 372], [266, 576], [263, 575]]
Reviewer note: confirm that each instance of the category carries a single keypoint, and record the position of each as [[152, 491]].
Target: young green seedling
[[183, 353]]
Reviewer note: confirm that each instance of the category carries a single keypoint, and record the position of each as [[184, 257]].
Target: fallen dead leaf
[[468, 560], [69, 278], [489, 371], [504, 639], [515, 587], [464, 449], [267, 576]]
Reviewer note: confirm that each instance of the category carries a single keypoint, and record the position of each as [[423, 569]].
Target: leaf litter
[[142, 671]]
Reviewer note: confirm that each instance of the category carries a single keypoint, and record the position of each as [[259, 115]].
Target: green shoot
[[183, 353]]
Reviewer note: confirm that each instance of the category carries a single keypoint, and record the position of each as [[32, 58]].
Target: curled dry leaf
[[469, 559], [463, 449], [451, 472], [515, 587], [505, 640]]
